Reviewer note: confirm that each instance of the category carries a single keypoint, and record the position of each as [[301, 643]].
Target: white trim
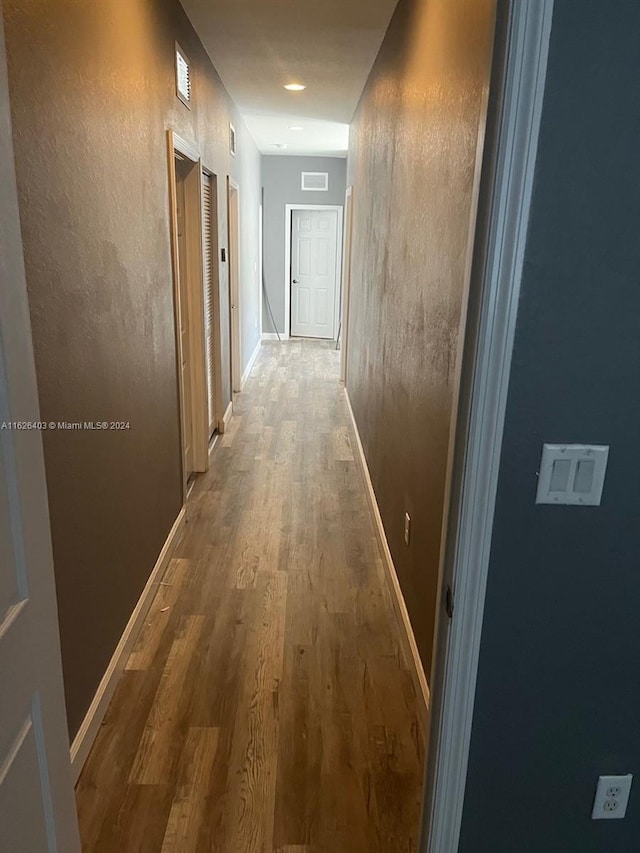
[[87, 732], [527, 53], [235, 308], [260, 264], [272, 336], [182, 146], [223, 425], [212, 444], [343, 321], [250, 363], [407, 637], [288, 213]]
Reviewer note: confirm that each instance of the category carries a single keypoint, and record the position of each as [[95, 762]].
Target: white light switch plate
[[572, 474]]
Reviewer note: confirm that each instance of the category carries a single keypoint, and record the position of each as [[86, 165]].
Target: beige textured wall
[[413, 162], [92, 95]]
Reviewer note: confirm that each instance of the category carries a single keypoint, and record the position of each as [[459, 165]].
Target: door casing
[[343, 327], [195, 307], [217, 314], [519, 69], [289, 208], [235, 338]]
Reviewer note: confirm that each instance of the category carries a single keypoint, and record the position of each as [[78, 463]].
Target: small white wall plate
[[572, 474], [612, 797]]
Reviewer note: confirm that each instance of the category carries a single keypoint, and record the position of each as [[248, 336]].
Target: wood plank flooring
[[266, 707]]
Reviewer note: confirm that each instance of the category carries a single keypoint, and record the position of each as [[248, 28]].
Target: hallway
[[266, 706]]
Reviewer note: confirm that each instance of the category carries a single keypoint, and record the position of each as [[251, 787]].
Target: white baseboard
[[407, 637], [212, 444], [250, 363], [272, 336], [87, 732], [223, 425]]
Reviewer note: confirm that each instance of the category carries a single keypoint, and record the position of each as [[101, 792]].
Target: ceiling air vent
[[315, 181], [183, 77]]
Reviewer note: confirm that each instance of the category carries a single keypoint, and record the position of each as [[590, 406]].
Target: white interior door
[[314, 254], [37, 809]]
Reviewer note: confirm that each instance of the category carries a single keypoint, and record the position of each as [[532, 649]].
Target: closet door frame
[[193, 268], [216, 423]]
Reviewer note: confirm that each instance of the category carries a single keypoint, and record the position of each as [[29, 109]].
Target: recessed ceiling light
[[295, 87], [295, 127]]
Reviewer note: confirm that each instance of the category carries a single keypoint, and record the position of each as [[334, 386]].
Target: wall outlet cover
[[612, 797]]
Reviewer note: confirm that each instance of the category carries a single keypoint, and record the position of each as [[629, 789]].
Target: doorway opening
[[185, 176], [313, 263], [233, 206]]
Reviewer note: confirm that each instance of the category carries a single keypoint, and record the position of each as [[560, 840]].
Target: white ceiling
[[259, 45], [319, 138]]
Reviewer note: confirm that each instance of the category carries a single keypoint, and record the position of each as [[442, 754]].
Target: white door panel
[[322, 306], [323, 257], [37, 809], [23, 771], [302, 312], [304, 256], [314, 256]]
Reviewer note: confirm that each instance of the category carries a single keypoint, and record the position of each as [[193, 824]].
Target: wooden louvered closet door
[[208, 222]]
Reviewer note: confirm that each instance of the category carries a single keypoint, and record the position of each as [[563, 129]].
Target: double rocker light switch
[[572, 474]]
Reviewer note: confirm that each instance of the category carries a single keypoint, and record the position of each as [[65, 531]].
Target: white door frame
[[197, 357], [235, 328], [35, 765], [468, 551], [260, 261], [289, 208], [215, 272], [346, 283]]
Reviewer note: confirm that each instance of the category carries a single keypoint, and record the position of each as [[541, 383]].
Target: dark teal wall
[[558, 696]]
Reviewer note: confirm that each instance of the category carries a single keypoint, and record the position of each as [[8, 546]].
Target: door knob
[[295, 281]]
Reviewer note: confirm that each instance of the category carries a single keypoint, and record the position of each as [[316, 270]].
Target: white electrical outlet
[[407, 528], [612, 796]]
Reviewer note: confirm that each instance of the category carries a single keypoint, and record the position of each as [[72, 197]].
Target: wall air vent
[[183, 77], [317, 182]]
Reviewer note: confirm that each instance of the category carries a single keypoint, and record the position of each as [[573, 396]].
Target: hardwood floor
[[266, 707]]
